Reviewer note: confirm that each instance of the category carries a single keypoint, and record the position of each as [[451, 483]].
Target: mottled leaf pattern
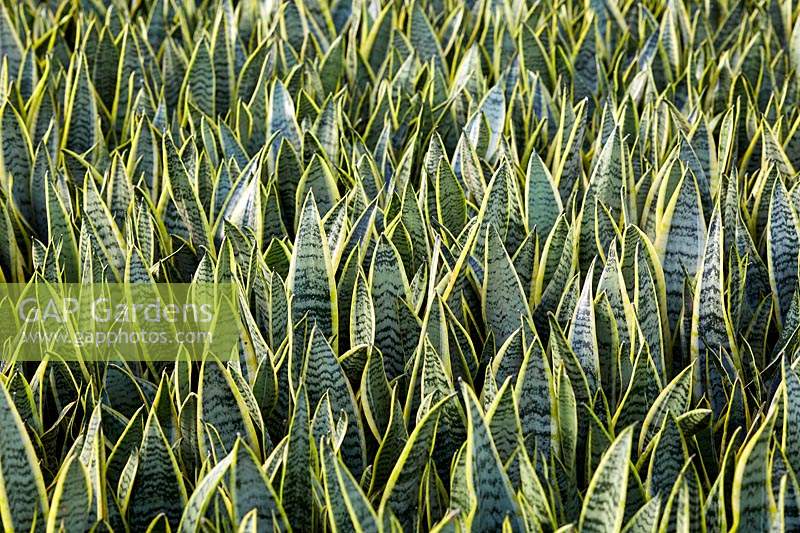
[[24, 501], [310, 280], [493, 500], [604, 505], [504, 301], [782, 249], [498, 266]]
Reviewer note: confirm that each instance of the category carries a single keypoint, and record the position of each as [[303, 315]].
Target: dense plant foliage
[[503, 265]]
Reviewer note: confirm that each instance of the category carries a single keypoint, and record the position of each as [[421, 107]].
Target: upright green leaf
[[158, 485], [492, 497], [751, 498], [604, 504], [504, 302], [783, 245], [251, 490], [680, 240], [72, 498], [23, 500], [389, 287], [344, 496], [536, 400], [222, 410], [310, 280], [296, 496], [402, 491], [711, 329], [542, 201], [323, 374]]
